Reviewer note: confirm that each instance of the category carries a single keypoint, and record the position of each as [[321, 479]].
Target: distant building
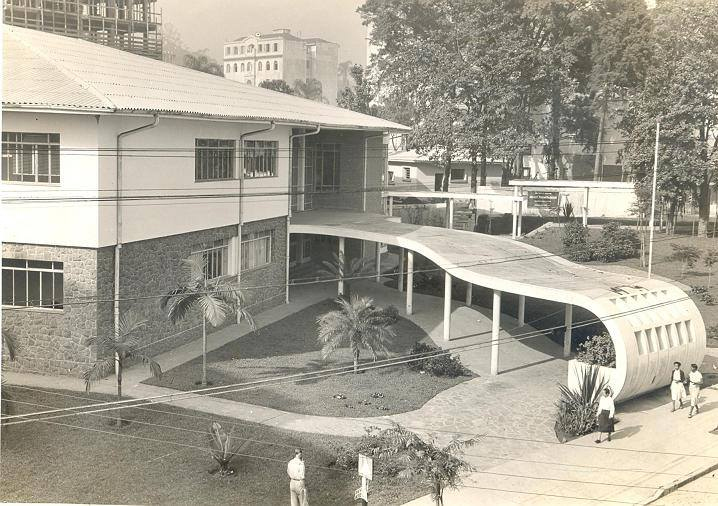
[[129, 25], [281, 55]]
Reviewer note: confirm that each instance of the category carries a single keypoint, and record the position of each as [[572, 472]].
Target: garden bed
[[290, 346], [140, 464]]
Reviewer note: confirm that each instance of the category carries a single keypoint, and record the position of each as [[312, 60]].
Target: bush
[[712, 332], [576, 411], [598, 350], [698, 290], [575, 242], [436, 365], [615, 243], [686, 255]]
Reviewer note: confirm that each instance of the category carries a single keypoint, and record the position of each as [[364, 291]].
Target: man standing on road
[[695, 379], [678, 391], [297, 486]]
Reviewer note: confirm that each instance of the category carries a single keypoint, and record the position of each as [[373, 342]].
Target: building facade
[[281, 55], [129, 25], [105, 194]]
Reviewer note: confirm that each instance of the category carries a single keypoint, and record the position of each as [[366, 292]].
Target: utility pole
[[653, 200]]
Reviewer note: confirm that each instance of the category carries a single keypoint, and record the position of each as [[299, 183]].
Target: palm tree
[[215, 298], [339, 268], [358, 322], [119, 348]]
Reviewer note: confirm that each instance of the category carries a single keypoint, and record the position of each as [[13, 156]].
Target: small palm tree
[[339, 268], [360, 324], [119, 347], [215, 298]]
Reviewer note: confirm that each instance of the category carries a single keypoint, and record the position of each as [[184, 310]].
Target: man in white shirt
[[297, 486], [695, 379]]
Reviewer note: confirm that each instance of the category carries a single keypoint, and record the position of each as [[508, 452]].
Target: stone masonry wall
[[52, 341]]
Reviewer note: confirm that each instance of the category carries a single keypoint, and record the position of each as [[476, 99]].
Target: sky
[[209, 23]]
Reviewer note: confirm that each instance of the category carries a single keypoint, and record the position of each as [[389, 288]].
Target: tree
[[118, 348], [682, 92], [360, 324], [441, 467], [710, 259], [279, 85], [310, 89], [202, 62], [346, 271], [214, 298], [685, 254], [359, 97]]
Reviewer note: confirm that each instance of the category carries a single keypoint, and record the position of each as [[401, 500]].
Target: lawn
[[290, 346], [550, 240], [97, 463]]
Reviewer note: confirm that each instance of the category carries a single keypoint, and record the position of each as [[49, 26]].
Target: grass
[[550, 240], [290, 346], [139, 464]]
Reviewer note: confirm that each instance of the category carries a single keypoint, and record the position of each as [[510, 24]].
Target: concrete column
[[469, 293], [585, 206], [447, 306], [451, 213], [409, 283], [568, 321], [378, 262], [514, 213], [340, 283], [495, 325], [520, 205], [522, 310], [400, 280], [391, 205]]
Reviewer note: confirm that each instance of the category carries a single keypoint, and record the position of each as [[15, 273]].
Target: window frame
[[55, 269], [215, 255], [230, 150], [250, 152], [19, 153], [455, 179], [276, 65], [276, 47], [320, 150], [250, 239], [406, 173]]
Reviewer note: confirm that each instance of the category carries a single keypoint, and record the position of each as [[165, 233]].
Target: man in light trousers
[[297, 486]]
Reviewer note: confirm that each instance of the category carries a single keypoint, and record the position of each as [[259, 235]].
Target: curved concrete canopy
[[652, 323]]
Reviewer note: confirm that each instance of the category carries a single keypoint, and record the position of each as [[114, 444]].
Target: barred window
[[256, 250], [32, 283], [213, 159], [326, 167], [276, 65], [260, 158], [31, 157], [214, 257]]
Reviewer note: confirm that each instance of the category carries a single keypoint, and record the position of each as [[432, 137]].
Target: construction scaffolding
[[129, 25]]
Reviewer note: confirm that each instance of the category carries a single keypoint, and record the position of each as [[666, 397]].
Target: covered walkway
[[652, 323]]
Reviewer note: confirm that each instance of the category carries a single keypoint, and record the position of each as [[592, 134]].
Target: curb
[[664, 491]]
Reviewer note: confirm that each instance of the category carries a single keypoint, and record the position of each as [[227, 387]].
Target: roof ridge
[[62, 69]]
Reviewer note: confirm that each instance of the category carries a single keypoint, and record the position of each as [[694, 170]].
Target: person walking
[[606, 412], [678, 390], [695, 382], [297, 485]]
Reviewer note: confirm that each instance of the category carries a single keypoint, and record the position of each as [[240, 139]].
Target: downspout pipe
[[240, 198], [317, 129], [118, 214]]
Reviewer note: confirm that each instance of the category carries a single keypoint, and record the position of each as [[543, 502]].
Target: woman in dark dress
[[606, 411]]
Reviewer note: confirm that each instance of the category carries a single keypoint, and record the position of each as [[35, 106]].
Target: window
[[32, 283], [267, 66], [326, 167], [249, 81], [235, 67], [260, 159], [250, 48], [407, 173], [276, 65], [30, 157], [226, 50], [259, 67], [256, 250], [214, 257], [259, 48], [213, 159], [235, 49], [241, 49], [390, 173], [242, 68], [249, 66], [458, 174], [276, 47]]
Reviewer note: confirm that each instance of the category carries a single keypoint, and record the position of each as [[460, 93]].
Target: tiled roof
[[46, 71]]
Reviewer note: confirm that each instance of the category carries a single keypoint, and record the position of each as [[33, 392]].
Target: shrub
[[698, 289], [576, 411], [615, 243], [712, 332], [685, 254], [222, 448], [434, 364], [709, 299], [598, 350], [575, 242]]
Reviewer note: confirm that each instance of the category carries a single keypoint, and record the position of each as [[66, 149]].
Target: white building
[[281, 55], [115, 167]]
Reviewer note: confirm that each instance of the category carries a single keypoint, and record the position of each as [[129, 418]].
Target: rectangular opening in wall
[[661, 337], [680, 326], [640, 343], [689, 330], [652, 345], [673, 334]]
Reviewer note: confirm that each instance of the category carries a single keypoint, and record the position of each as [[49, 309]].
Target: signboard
[[543, 199], [361, 493], [366, 466]]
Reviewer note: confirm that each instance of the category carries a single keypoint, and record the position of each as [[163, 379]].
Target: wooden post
[[409, 282], [568, 321], [447, 306], [495, 326]]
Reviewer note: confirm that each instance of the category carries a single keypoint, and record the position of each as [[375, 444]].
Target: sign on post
[[361, 493], [366, 466], [543, 199]]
